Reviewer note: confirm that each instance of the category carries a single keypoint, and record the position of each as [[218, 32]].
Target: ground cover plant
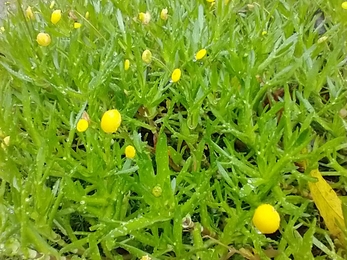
[[173, 130]]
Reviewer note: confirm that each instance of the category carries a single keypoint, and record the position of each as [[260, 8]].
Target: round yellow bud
[[200, 54], [266, 219], [77, 25], [110, 121], [344, 5], [43, 39], [157, 191], [82, 125], [163, 14], [130, 152], [147, 56], [126, 64], [176, 75], [29, 13], [56, 16], [141, 16]]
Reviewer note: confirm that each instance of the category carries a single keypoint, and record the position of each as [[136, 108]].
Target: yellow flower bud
[[7, 140], [130, 152], [43, 39], [56, 16], [110, 121], [77, 25], [145, 17], [163, 14], [126, 64], [82, 125], [263, 33], [176, 75], [147, 56], [52, 5], [344, 5], [86, 15], [157, 191], [146, 257], [29, 13], [200, 54], [266, 219], [2, 28], [141, 16], [210, 1]]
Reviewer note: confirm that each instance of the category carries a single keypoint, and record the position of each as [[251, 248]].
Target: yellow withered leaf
[[328, 204]]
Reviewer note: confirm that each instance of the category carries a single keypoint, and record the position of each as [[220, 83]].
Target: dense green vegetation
[[242, 126]]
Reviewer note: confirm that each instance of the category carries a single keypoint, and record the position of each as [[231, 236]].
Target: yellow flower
[[157, 191], [56, 16], [82, 125], [77, 25], [266, 219], [145, 18], [200, 54], [344, 5], [126, 64], [263, 33], [52, 5], [210, 1], [163, 14], [176, 75], [86, 15], [29, 13], [110, 121], [147, 56], [43, 39], [130, 152]]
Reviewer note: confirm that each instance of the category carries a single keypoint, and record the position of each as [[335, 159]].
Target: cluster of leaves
[[243, 126]]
